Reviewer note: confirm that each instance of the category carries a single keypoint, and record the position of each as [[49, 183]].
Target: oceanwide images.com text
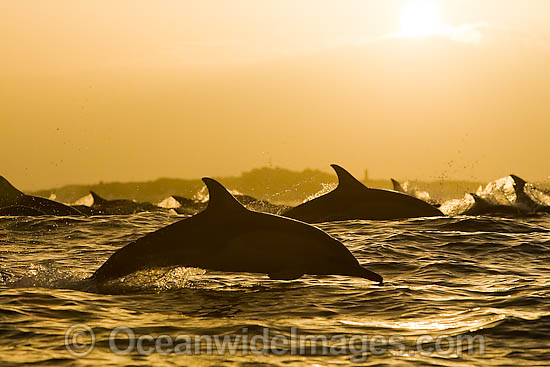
[[80, 341]]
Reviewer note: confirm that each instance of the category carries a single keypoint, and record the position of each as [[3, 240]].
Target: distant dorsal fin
[[8, 193], [345, 179], [478, 199], [98, 200], [519, 183], [219, 197], [397, 186], [183, 200]]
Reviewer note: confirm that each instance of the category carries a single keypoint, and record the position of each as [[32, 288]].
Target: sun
[[420, 18]]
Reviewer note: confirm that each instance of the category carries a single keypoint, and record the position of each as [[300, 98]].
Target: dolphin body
[[20, 211], [353, 200], [14, 202], [119, 206], [523, 201], [228, 237], [498, 196], [483, 207]]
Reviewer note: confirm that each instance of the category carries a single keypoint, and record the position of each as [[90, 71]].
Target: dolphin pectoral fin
[[285, 274]]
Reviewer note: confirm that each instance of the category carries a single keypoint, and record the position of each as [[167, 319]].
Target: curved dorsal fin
[[98, 200], [219, 197], [397, 186], [478, 199], [8, 193], [519, 183], [345, 179]]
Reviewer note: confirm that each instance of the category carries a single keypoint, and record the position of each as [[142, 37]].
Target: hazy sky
[[136, 90]]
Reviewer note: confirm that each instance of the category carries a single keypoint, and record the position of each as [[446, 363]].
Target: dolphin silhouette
[[483, 207], [14, 202], [228, 237], [20, 210], [120, 206], [526, 199], [353, 200], [523, 201]]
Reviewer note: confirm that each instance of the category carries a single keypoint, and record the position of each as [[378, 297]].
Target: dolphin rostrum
[[228, 237], [353, 200]]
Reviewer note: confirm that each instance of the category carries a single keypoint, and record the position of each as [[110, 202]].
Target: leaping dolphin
[[353, 200], [228, 237], [15, 202]]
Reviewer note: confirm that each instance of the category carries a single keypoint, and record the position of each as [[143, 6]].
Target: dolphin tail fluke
[[370, 275]]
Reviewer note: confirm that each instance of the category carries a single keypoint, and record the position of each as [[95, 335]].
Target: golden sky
[[135, 90]]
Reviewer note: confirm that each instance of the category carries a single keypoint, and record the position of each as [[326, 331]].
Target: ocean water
[[458, 291]]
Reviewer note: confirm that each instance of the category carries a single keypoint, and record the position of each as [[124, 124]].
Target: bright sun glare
[[420, 18]]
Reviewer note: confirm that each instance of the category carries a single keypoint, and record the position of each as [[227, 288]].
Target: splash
[[169, 203], [152, 280], [499, 192], [48, 275], [457, 206], [327, 187]]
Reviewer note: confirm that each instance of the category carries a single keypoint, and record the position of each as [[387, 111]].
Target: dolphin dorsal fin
[[397, 186], [219, 197], [98, 200], [519, 183], [8, 193], [345, 179], [478, 199]]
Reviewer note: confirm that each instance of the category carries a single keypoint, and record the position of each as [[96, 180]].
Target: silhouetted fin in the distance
[[15, 202]]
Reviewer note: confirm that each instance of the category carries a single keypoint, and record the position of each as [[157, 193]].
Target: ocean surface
[[458, 291]]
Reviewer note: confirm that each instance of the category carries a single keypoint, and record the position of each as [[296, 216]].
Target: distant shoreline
[[278, 185]]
